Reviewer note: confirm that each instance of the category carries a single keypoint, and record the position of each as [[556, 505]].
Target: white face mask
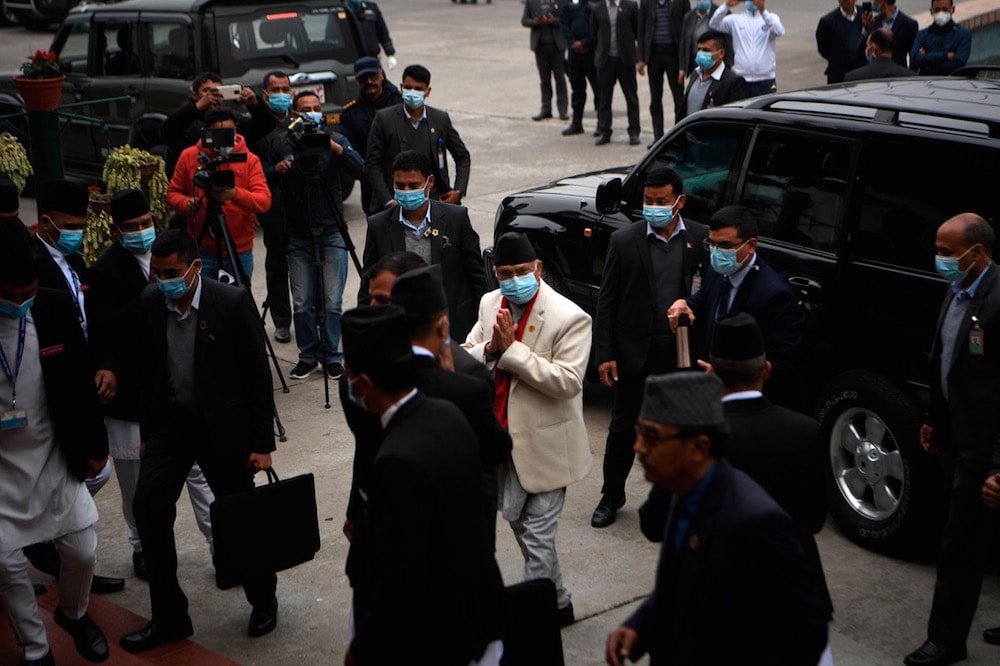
[[942, 18]]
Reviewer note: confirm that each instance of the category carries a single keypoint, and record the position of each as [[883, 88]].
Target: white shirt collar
[[742, 395], [849, 17], [423, 114], [421, 226], [422, 351], [389, 413], [717, 74], [63, 265], [679, 228]]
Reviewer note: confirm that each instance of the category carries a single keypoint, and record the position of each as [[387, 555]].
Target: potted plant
[[14, 161], [127, 167], [41, 81], [97, 234]]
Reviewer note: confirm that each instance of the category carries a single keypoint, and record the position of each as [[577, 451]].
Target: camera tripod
[[215, 222]]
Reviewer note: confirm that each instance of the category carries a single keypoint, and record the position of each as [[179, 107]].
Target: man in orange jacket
[[240, 204]]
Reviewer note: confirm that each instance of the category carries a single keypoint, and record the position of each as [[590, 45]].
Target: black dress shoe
[[934, 654], [139, 565], [152, 636], [105, 585], [263, 620], [992, 636], [603, 139], [47, 660], [634, 140], [563, 115], [543, 115], [597, 132], [565, 615], [87, 636], [39, 590], [573, 129], [606, 512]]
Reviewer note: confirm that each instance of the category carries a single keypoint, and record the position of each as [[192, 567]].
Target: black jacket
[[627, 31], [837, 41], [904, 33], [730, 87], [879, 68], [374, 31], [359, 114], [647, 25]]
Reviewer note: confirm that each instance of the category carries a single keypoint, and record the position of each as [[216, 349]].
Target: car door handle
[[807, 289]]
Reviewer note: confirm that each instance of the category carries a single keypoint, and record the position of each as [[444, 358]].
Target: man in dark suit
[[660, 24], [549, 47], [208, 400], [415, 126], [962, 423], [837, 36], [574, 21], [432, 564], [614, 25], [713, 83], [880, 65], [730, 563], [649, 265], [904, 29], [45, 358], [739, 281], [438, 232]]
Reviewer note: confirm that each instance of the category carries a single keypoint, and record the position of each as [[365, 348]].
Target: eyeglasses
[[725, 245], [504, 274]]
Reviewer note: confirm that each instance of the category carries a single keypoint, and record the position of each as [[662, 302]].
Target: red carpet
[[114, 621]]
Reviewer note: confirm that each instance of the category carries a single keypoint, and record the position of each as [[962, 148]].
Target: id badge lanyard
[[12, 376]]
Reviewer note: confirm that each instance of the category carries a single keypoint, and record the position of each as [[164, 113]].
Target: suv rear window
[[295, 35]]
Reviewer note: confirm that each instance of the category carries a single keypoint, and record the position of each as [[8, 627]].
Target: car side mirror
[[609, 196]]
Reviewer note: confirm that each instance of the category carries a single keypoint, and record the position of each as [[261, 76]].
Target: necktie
[[727, 289]]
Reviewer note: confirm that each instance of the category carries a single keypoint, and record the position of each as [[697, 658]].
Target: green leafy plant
[[42, 65], [97, 234], [128, 167], [14, 160]]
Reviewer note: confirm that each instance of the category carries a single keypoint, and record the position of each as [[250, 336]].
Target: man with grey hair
[[730, 557]]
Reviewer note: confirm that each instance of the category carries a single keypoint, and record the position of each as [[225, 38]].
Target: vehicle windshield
[[296, 38]]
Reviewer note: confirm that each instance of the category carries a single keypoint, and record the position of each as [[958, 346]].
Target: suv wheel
[[882, 484]]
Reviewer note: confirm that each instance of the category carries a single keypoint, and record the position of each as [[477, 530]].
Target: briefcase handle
[[272, 476]]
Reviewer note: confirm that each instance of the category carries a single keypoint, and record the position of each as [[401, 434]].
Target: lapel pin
[[531, 329], [434, 232], [203, 325]]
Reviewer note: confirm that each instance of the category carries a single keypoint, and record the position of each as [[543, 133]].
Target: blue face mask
[[724, 260], [69, 241], [411, 199], [354, 3], [413, 98], [359, 402], [139, 242], [279, 102], [315, 116], [12, 310], [174, 288], [702, 6], [704, 60], [519, 289], [947, 267], [750, 6], [658, 216]]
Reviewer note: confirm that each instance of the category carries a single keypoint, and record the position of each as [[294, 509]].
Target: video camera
[[307, 138], [208, 178]]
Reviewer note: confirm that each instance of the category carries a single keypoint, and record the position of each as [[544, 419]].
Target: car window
[[74, 50], [703, 156], [796, 187], [172, 47], [117, 46], [901, 212]]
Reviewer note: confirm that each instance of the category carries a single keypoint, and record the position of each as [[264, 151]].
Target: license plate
[[317, 88]]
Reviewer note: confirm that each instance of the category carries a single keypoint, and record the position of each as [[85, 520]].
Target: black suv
[[151, 50], [849, 184]]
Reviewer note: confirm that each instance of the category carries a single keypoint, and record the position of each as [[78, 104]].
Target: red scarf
[[501, 377]]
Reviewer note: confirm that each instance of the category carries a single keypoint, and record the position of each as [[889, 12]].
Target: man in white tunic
[[51, 439]]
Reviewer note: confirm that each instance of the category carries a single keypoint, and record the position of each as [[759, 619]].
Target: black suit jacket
[[533, 8], [740, 569], [627, 304], [433, 568], [730, 87], [116, 281], [647, 25], [69, 381], [837, 41], [627, 31], [967, 421], [904, 33], [455, 247], [766, 296], [879, 68], [231, 375], [391, 133]]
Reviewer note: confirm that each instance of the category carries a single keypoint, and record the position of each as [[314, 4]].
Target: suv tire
[[882, 485]]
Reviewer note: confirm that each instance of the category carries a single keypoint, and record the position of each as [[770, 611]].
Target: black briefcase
[[263, 530], [532, 635]]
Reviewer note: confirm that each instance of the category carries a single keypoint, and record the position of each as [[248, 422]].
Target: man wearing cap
[[537, 342], [424, 483], [649, 264], [730, 564], [438, 232], [52, 439], [208, 400], [116, 280], [358, 115]]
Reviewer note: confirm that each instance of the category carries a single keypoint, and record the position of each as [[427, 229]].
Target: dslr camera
[[209, 177]]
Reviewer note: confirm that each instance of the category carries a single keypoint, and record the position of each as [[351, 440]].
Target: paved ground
[[483, 72]]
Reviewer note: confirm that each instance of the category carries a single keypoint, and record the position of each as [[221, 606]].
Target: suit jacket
[[455, 248], [904, 33], [69, 381], [545, 404], [533, 8], [837, 41], [739, 570], [879, 68], [647, 25], [116, 281], [232, 380], [627, 304], [967, 422], [766, 296], [729, 87], [689, 44], [391, 133], [51, 276], [627, 30], [428, 573]]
